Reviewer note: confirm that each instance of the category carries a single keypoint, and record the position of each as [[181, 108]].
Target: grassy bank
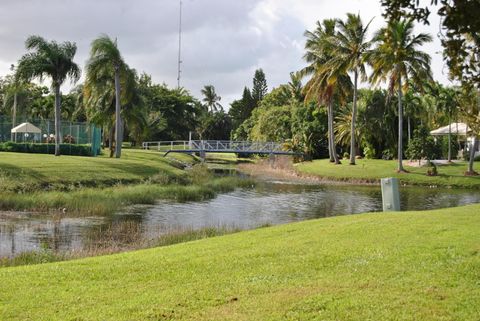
[[394, 266], [372, 170], [102, 201], [21, 172]]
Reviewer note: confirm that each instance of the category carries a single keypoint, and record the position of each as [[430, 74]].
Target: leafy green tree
[[211, 99], [106, 62], [397, 59], [170, 113], [469, 103], [241, 109], [422, 146], [54, 60], [310, 130], [349, 54]]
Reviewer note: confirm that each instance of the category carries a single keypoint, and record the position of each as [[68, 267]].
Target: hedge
[[65, 149]]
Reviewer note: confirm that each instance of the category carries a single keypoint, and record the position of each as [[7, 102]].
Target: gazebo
[[26, 129]]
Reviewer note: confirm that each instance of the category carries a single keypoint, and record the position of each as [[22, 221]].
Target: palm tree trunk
[[400, 127], [330, 150], [449, 157], [409, 129], [332, 134], [14, 116], [118, 130], [110, 140], [354, 118], [472, 156], [57, 119]]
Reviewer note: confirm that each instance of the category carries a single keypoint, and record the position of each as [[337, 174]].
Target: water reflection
[[270, 203]]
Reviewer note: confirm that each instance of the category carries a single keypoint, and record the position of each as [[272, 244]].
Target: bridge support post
[[271, 160], [202, 155]]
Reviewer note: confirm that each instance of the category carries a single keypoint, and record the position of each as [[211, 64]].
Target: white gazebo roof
[[26, 128], [456, 129]]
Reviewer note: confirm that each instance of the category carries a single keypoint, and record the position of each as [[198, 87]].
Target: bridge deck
[[218, 146]]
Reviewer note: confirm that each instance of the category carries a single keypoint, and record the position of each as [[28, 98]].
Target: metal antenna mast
[[179, 45]]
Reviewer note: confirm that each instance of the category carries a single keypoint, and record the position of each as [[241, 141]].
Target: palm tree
[[211, 99], [412, 105], [99, 99], [325, 84], [54, 60], [396, 60], [349, 53], [294, 88], [15, 95], [107, 62]]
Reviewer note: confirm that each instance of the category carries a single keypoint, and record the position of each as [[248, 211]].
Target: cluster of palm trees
[[107, 74], [338, 54]]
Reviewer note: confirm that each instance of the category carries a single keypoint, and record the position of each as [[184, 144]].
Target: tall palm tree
[[325, 84], [15, 95], [397, 60], [412, 107], [349, 54], [99, 99], [211, 99], [107, 62], [54, 60]]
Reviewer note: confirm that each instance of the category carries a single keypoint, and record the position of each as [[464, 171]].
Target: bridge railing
[[213, 145], [164, 146]]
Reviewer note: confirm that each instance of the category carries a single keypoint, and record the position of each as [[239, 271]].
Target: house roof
[[26, 128], [456, 129]]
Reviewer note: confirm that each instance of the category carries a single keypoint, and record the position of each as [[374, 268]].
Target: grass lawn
[[371, 170], [22, 171], [392, 266]]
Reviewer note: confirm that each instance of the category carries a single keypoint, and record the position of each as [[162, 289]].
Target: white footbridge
[[218, 146]]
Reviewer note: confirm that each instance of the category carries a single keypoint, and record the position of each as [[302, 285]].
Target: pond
[[269, 203]]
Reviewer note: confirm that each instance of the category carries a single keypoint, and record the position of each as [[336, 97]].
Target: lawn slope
[[402, 266], [32, 172], [372, 170]]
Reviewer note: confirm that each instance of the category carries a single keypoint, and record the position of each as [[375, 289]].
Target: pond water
[[269, 203]]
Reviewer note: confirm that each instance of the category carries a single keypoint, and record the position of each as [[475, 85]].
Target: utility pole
[[179, 45]]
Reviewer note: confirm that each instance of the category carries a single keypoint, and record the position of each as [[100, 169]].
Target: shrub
[[65, 149], [432, 169], [369, 151], [387, 154], [423, 146]]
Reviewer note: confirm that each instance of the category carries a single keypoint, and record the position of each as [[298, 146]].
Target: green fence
[[71, 133]]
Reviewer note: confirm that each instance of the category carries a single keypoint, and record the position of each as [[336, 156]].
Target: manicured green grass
[[29, 172], [372, 170], [391, 266]]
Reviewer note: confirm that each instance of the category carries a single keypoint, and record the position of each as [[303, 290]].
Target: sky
[[223, 41]]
